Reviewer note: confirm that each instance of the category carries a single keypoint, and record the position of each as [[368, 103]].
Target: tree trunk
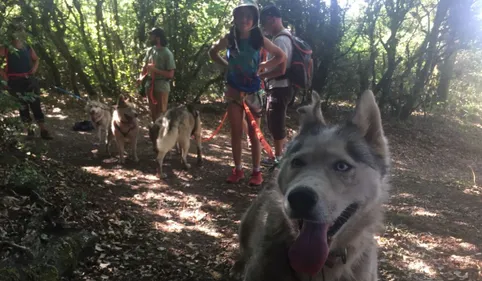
[[44, 55], [98, 27], [425, 68], [48, 13], [54, 71], [332, 40], [459, 14], [446, 73], [89, 50], [396, 13]]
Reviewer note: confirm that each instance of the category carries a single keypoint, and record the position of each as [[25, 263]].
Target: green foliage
[[25, 174], [397, 48], [465, 98]]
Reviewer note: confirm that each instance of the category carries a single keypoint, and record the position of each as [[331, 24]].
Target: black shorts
[[277, 104], [19, 87]]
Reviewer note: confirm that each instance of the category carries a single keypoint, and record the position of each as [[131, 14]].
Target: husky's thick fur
[[176, 126], [100, 116], [319, 218], [125, 127]]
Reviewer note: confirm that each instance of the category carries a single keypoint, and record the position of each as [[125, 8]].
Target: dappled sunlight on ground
[[473, 190], [422, 212], [429, 255], [57, 116], [173, 226], [189, 221]]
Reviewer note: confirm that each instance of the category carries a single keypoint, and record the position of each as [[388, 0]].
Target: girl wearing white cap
[[243, 44]]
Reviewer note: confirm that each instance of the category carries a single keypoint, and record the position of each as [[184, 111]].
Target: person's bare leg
[[153, 110], [246, 131], [235, 115], [255, 146], [245, 126], [164, 99], [278, 147]]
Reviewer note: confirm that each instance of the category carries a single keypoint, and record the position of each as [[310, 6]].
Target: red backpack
[[300, 71]]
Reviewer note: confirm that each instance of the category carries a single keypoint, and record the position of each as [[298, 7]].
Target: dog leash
[[217, 129], [68, 93], [258, 132], [151, 90]]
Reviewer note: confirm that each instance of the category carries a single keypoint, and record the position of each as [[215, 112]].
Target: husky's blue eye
[[342, 166], [297, 163]]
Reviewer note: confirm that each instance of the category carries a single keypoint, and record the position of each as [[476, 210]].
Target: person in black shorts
[[278, 86], [21, 66]]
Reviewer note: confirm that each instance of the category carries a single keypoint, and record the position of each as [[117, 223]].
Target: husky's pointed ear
[[369, 122], [311, 115]]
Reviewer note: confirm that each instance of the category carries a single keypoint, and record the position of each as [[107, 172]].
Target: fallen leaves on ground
[[184, 228]]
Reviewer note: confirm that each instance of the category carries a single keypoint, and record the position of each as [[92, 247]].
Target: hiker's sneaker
[[235, 176], [256, 179], [267, 162], [44, 134]]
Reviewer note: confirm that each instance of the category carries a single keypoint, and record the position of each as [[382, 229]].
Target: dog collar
[[120, 130], [342, 219]]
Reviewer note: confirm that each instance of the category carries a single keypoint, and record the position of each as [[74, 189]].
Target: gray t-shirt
[[284, 43]]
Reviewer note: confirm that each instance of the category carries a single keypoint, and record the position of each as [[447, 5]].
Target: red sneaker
[[236, 176], [256, 179]]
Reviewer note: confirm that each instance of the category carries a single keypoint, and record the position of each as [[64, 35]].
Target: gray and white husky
[[175, 127], [100, 116], [318, 219]]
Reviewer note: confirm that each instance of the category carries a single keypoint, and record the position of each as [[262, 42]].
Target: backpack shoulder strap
[[283, 33]]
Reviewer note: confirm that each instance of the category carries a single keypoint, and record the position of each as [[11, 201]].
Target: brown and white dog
[[125, 127]]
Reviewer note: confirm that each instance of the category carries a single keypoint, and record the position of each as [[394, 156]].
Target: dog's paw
[[187, 166], [162, 176]]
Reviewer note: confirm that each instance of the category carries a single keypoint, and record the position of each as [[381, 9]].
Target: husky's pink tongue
[[309, 252]]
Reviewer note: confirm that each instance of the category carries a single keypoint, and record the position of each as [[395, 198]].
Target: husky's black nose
[[302, 201]]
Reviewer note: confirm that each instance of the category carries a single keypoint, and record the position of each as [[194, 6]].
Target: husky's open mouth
[[310, 251]]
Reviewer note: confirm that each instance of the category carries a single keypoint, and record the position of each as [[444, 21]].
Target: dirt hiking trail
[[184, 228]]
